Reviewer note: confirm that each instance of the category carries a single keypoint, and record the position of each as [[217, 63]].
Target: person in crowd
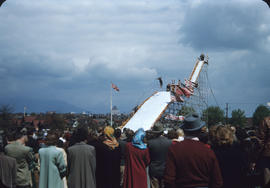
[[231, 157], [10, 136], [158, 149], [191, 163], [181, 134], [52, 164], [81, 162], [250, 146], [32, 142], [137, 159], [128, 135], [108, 157], [7, 167], [264, 158], [204, 136], [25, 160], [173, 135], [122, 144], [72, 139], [211, 134], [60, 146]]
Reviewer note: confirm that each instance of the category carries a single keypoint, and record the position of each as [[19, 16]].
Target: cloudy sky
[[62, 55]]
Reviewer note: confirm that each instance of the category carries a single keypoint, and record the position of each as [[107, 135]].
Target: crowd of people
[[189, 156]]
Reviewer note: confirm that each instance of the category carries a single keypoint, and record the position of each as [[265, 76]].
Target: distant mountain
[[40, 105]]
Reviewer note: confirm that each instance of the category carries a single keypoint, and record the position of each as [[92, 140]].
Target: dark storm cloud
[[216, 25], [33, 66], [72, 50]]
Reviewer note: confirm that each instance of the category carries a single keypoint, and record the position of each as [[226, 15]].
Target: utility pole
[[24, 111], [227, 108], [111, 106]]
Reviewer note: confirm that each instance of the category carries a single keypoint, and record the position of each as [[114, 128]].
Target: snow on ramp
[[150, 111]]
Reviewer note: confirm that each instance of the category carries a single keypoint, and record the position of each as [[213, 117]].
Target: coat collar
[[80, 143]]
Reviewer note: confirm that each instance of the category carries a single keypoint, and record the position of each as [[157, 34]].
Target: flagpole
[[111, 104]]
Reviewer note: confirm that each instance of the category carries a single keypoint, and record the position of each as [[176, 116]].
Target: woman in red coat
[[137, 159]]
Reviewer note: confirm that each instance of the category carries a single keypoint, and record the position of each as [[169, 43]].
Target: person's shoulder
[[189, 143], [41, 150], [73, 147], [89, 147], [27, 148], [81, 145], [7, 147], [120, 141], [154, 140], [7, 158], [165, 139], [60, 149]]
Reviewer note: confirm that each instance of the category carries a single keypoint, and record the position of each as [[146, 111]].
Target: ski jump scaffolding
[[151, 110]]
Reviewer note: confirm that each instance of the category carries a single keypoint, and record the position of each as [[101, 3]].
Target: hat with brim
[[192, 122], [157, 129]]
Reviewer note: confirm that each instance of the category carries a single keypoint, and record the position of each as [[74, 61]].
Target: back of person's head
[[81, 134], [117, 133], [129, 134], [60, 143], [172, 134], [223, 136], [212, 133], [30, 131], [204, 135], [20, 133], [192, 124], [157, 130], [92, 137], [51, 139], [109, 131], [10, 135], [180, 132], [100, 130], [241, 134]]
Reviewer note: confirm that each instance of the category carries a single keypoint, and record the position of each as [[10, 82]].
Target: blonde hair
[[223, 136], [180, 132]]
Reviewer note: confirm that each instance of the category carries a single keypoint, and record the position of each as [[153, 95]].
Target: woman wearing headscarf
[[137, 159], [108, 157]]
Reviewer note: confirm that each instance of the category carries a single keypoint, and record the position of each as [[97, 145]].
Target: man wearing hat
[[158, 149], [191, 163]]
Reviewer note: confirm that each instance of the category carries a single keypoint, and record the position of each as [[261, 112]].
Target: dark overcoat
[[81, 166]]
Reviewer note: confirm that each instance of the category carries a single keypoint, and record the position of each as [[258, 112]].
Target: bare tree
[[6, 111]]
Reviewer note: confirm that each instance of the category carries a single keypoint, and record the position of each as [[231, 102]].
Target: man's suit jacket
[[158, 149], [24, 159]]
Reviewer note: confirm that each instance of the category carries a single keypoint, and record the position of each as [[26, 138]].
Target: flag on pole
[[115, 87]]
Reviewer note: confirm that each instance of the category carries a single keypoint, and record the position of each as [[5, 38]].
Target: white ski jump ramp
[[150, 111]]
